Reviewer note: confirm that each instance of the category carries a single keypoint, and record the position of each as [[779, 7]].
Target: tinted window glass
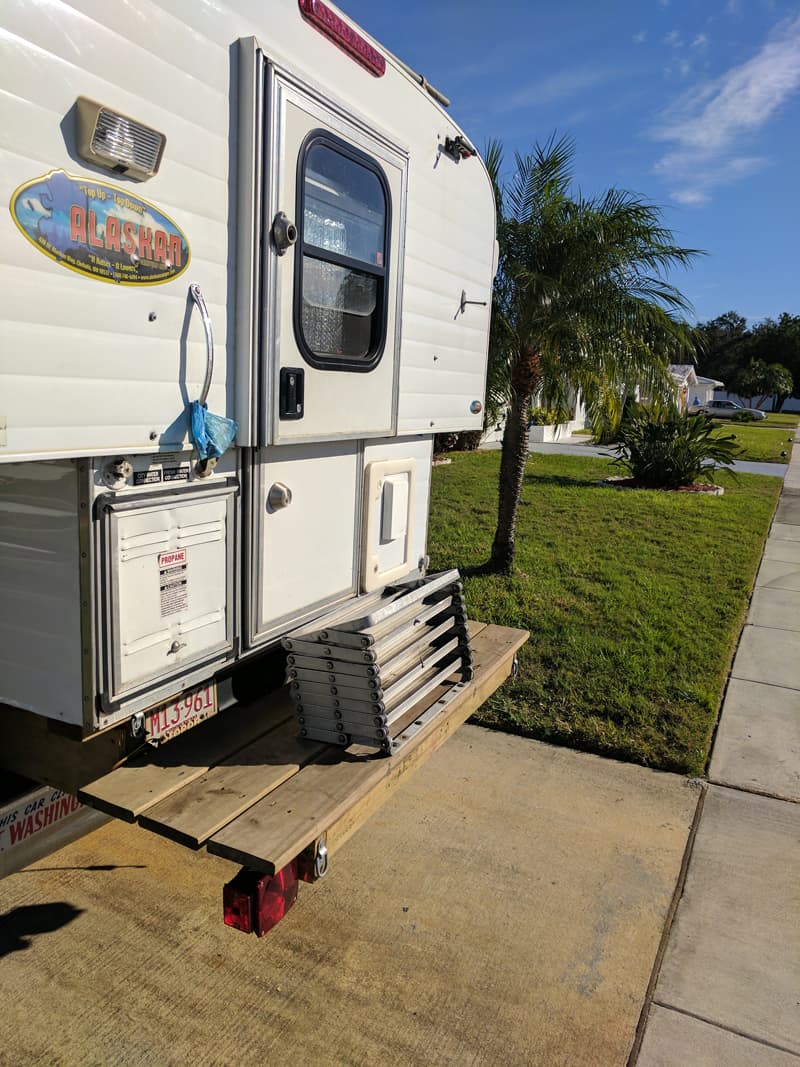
[[342, 257], [345, 208]]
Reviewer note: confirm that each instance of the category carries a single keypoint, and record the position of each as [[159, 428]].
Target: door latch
[[291, 393]]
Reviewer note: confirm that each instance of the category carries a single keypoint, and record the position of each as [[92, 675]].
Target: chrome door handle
[[205, 318]]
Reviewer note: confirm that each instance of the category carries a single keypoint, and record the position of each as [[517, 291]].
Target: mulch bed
[[621, 482]]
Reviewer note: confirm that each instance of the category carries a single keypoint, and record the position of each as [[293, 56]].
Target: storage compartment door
[[169, 587], [335, 290], [304, 532]]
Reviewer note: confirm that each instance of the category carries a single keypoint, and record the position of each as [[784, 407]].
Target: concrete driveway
[[506, 907]]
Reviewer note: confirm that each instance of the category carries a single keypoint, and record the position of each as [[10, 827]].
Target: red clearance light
[[255, 902], [328, 22]]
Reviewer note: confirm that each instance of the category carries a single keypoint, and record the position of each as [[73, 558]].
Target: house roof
[[710, 381], [683, 373]]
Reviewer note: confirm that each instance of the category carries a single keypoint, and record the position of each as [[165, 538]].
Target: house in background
[[692, 390]]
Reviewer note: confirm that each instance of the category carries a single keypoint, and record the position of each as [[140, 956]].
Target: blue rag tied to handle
[[212, 435]]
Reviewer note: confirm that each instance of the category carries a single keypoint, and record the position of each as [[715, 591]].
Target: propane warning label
[[173, 581]]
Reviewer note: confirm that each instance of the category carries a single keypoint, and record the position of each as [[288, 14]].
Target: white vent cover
[[117, 142], [389, 497]]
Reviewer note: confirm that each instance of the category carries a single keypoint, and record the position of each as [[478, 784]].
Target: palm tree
[[581, 302]]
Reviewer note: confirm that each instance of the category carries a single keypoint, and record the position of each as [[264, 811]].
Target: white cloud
[[563, 83], [690, 196], [709, 126], [694, 183], [640, 38], [700, 41], [673, 39]]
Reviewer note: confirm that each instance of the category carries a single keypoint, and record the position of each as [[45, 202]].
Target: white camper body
[[130, 570]]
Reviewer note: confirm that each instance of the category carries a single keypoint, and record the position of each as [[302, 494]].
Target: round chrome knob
[[279, 496]]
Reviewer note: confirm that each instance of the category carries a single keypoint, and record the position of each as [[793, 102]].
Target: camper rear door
[[336, 288]]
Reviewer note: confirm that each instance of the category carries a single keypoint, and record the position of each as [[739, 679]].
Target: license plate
[[170, 719]]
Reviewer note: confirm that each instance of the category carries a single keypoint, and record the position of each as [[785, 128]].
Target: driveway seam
[[751, 791], [677, 894], [728, 1029]]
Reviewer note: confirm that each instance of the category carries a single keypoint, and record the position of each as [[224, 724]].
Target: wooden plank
[[145, 780], [192, 814], [336, 793]]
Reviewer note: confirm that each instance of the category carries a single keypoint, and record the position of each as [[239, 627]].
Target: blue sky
[[694, 106]]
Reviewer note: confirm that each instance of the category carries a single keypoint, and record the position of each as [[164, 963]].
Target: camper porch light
[[117, 142], [325, 20]]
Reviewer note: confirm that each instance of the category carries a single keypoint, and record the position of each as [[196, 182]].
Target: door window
[[342, 259]]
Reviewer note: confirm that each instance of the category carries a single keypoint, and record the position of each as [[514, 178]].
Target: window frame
[[377, 348]]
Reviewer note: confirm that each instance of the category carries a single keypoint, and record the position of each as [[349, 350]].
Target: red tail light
[[253, 902], [237, 900], [328, 22]]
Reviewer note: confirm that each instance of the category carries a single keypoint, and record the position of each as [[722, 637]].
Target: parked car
[[729, 409]]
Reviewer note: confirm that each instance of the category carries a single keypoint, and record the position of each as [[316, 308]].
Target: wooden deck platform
[[247, 788]]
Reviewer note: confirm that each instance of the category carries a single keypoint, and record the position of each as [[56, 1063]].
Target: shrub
[[544, 417], [743, 416], [466, 441], [664, 449]]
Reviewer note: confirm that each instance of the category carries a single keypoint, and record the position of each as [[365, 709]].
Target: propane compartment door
[[168, 582]]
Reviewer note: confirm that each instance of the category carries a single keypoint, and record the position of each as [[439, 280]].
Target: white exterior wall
[[40, 623], [83, 370], [700, 394]]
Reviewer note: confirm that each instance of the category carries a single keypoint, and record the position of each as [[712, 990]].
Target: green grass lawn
[[634, 600], [762, 442]]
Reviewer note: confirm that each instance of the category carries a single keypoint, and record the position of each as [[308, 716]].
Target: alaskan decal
[[99, 230]]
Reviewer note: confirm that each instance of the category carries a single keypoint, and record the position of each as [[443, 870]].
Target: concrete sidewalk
[[728, 991]]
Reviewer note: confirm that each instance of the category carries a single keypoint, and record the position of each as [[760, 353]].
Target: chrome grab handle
[[197, 296]]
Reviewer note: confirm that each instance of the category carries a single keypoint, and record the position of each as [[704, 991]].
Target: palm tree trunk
[[512, 464]]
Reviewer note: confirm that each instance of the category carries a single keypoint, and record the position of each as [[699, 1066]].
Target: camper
[[247, 259]]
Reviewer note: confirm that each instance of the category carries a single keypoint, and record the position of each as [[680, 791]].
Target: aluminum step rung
[[371, 624], [300, 691], [302, 676], [308, 663], [409, 678], [433, 615], [333, 716], [346, 726], [419, 650], [323, 700], [313, 733], [437, 675]]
